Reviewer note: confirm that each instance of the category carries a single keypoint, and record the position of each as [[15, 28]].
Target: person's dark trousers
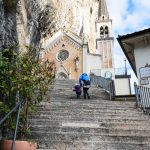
[[78, 95], [85, 92]]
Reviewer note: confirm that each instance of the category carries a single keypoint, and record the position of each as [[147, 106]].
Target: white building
[[136, 47]]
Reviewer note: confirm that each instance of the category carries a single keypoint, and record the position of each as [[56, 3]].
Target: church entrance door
[[62, 75]]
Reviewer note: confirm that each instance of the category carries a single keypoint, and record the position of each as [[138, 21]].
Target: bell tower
[[104, 39]]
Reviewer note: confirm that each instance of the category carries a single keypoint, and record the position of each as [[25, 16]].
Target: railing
[[18, 106], [104, 83], [142, 98]]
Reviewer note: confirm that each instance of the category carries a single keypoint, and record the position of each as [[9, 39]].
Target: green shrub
[[22, 78]]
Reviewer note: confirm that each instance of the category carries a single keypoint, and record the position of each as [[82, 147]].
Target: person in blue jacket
[[84, 81]]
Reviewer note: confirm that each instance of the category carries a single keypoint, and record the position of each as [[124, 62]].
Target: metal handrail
[[18, 106], [142, 98], [104, 83]]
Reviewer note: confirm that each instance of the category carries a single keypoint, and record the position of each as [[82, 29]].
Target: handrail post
[[14, 138]]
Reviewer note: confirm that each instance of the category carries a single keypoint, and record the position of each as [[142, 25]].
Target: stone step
[[70, 87], [63, 83], [87, 113], [70, 91], [53, 145], [97, 106], [95, 146], [87, 117], [80, 103], [68, 137], [87, 108], [90, 130], [90, 102], [73, 97], [86, 103], [104, 122], [100, 124], [72, 94], [62, 88]]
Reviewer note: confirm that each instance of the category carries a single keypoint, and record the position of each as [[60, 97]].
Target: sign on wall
[[144, 72], [144, 81], [108, 75]]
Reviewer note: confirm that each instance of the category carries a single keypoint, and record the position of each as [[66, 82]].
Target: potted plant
[[23, 78]]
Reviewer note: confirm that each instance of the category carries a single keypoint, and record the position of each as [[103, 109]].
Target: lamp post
[[125, 66]]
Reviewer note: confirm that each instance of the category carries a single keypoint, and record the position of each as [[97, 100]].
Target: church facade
[[88, 51]]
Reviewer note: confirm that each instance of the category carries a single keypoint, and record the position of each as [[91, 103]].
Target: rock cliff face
[[27, 22], [24, 22], [8, 33]]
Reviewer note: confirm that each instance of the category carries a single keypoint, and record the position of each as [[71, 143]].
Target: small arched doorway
[[62, 75]]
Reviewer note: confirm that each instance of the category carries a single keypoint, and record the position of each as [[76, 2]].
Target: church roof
[[77, 40], [102, 9]]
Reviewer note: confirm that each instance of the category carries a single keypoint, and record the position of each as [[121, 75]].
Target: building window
[[101, 32], [106, 31], [62, 55], [63, 45], [91, 10]]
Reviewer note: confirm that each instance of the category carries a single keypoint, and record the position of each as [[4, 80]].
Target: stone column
[[85, 47]]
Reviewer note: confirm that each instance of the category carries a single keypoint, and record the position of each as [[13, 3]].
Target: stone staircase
[[66, 123]]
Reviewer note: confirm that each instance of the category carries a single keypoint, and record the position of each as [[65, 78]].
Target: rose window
[[62, 55]]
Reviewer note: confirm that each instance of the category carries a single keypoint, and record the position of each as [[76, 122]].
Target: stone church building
[[86, 48]]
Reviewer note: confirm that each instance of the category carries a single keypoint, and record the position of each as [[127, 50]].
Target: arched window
[[106, 31], [62, 55], [101, 31], [91, 10]]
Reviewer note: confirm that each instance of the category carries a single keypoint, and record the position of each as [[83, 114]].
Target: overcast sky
[[127, 16]]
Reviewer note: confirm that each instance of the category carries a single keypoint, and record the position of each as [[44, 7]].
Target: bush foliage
[[23, 77]]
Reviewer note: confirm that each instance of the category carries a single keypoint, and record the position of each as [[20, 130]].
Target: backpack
[[84, 76], [86, 83]]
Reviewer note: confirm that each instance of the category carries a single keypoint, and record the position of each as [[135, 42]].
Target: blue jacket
[[83, 77]]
